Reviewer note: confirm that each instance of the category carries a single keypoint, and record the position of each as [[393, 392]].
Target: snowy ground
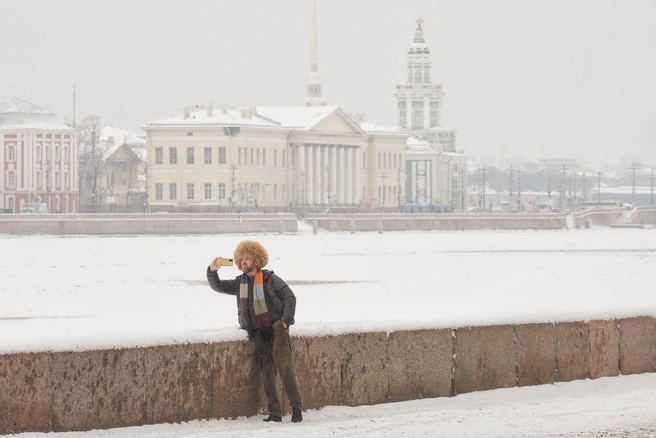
[[71, 293]]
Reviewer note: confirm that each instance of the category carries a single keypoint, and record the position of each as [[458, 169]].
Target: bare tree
[[91, 156]]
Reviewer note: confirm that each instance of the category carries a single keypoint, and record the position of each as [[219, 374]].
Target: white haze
[[529, 77]]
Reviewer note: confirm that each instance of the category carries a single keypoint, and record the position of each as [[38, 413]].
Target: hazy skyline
[[565, 78]]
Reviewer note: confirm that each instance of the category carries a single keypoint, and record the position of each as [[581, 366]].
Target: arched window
[[402, 120], [417, 116], [418, 75], [409, 73], [11, 153], [434, 111], [426, 74]]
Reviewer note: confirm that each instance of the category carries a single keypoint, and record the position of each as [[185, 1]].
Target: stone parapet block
[[97, 389], [572, 351], [363, 368], [25, 392], [536, 354], [485, 358], [604, 348], [419, 364], [637, 345]]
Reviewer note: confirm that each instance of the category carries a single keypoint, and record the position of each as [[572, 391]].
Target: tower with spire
[[313, 92], [419, 100]]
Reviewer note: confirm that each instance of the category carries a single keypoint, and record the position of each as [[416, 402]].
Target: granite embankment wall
[[82, 390], [643, 216], [472, 221], [147, 224]]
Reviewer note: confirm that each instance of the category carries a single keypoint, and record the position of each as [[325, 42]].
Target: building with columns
[[38, 158], [432, 162], [271, 158]]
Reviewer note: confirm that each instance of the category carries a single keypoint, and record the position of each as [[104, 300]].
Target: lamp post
[[302, 187], [232, 193], [328, 184], [398, 185], [48, 184], [384, 176]]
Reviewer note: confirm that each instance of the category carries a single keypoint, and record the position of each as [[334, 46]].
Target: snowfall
[[76, 293]]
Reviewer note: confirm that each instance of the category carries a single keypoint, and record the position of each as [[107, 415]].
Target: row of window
[[11, 153], [418, 115], [254, 191], [251, 156], [11, 180], [418, 75]]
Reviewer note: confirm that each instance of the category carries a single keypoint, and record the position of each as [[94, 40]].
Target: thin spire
[[313, 87], [419, 33]]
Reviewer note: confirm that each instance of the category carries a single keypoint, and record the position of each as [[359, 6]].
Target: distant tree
[[91, 157]]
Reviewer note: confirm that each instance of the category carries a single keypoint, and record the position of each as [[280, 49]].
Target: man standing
[[265, 308]]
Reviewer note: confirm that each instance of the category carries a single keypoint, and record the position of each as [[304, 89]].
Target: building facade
[[440, 168], [270, 158], [38, 159]]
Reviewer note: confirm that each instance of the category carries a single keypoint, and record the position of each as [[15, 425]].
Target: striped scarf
[[262, 317]]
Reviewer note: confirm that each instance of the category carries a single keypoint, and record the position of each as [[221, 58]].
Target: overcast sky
[[572, 78]]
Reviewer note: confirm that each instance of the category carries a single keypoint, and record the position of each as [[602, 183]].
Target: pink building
[[38, 159]]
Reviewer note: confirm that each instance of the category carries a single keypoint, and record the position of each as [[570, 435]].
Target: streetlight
[[398, 185], [384, 176], [302, 187], [328, 184]]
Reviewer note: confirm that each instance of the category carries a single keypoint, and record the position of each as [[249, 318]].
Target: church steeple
[[313, 93]]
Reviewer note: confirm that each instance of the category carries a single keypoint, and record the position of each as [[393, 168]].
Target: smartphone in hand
[[223, 261]]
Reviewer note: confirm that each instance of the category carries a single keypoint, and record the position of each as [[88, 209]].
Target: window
[[283, 158], [252, 156], [47, 152], [159, 155], [409, 73], [208, 191], [364, 160], [190, 155], [38, 179], [222, 155], [173, 191], [173, 156], [275, 157], [38, 152], [379, 160], [11, 179], [239, 162], [264, 157], [11, 153], [66, 185], [418, 75], [417, 116], [245, 155], [222, 191], [402, 119], [208, 155], [190, 190], [159, 191], [433, 115], [258, 156], [57, 153], [57, 180], [426, 74], [66, 154], [275, 192]]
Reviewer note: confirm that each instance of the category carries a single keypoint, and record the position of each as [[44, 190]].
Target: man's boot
[[297, 416], [274, 418]]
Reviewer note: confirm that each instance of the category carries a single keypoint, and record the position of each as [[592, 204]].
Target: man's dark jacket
[[276, 290]]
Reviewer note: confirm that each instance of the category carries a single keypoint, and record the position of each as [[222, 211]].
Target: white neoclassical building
[[433, 162], [38, 159], [273, 158]]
